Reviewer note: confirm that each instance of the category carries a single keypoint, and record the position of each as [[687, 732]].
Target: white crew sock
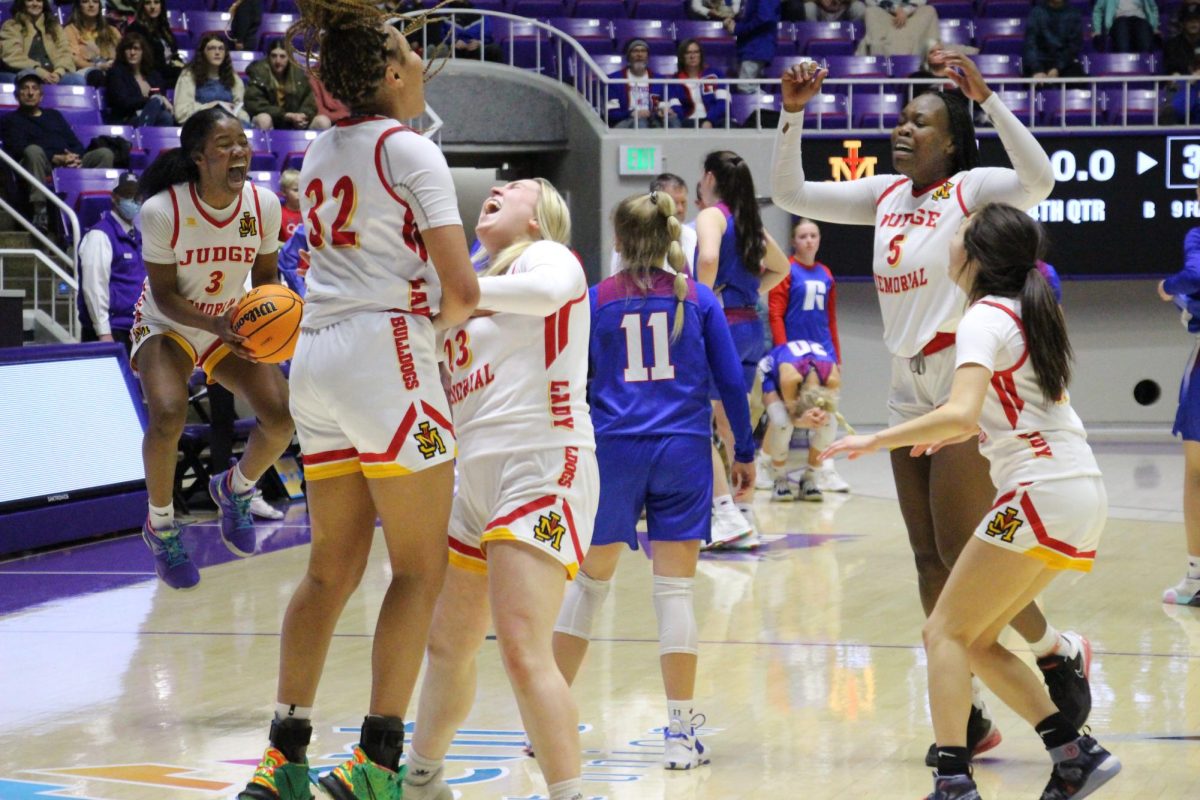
[[238, 481], [162, 518], [567, 790]]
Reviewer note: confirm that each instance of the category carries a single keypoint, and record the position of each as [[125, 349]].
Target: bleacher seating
[[289, 146], [826, 38], [1070, 107], [658, 9], [1000, 35], [878, 109]]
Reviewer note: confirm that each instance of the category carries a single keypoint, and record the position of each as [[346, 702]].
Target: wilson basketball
[[269, 318]]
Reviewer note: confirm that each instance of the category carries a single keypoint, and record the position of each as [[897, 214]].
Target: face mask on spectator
[[128, 208]]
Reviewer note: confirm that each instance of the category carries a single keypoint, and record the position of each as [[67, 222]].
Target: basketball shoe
[[809, 491], [360, 778], [953, 787], [237, 528], [1187, 593], [982, 735], [728, 525], [171, 560], [1066, 679], [681, 747], [781, 491], [828, 479], [1080, 768], [277, 779], [260, 508]]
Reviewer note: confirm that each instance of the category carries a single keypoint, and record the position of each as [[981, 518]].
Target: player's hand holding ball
[[801, 83], [266, 324]]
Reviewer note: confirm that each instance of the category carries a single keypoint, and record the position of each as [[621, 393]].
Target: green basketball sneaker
[[360, 778], [278, 779]]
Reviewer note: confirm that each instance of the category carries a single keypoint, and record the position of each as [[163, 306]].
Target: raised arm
[[554, 279]]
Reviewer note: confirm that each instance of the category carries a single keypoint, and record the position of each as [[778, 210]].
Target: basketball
[[269, 318]]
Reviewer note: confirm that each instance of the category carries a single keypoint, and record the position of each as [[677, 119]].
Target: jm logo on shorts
[[1005, 524], [429, 441], [550, 529]]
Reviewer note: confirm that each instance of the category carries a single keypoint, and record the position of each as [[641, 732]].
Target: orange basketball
[[269, 318]]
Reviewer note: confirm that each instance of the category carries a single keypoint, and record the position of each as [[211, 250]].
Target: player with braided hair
[[389, 264], [659, 340], [800, 380]]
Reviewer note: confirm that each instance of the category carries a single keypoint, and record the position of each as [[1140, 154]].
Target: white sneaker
[[781, 491], [681, 747], [435, 789], [763, 471], [261, 508], [754, 539], [808, 487], [828, 479], [728, 525]]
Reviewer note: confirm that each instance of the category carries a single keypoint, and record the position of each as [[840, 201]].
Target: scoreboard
[[1120, 207]]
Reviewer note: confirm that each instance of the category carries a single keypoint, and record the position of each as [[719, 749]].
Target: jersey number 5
[[340, 233], [894, 246], [635, 369]]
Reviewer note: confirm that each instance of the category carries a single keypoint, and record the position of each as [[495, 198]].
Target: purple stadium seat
[[746, 110], [1000, 35], [659, 35], [273, 26], [190, 5], [826, 110], [785, 39], [666, 66], [1006, 8], [875, 109], [150, 142], [1119, 64], [290, 7], [584, 28], [903, 66], [1131, 106], [86, 133], [529, 45], [261, 157], [658, 9], [953, 9], [265, 179], [1020, 102], [716, 41], [955, 31], [289, 146], [1071, 107], [857, 66], [201, 22], [825, 38], [998, 65], [608, 9], [539, 9], [242, 59], [86, 191]]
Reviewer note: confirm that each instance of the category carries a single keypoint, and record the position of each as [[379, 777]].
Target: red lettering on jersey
[[418, 298], [214, 309], [921, 218], [1041, 448], [203, 255], [560, 404], [898, 284], [472, 383], [570, 462], [408, 369]]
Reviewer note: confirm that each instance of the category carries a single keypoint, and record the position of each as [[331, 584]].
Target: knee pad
[[582, 600], [778, 440], [822, 437], [676, 615]]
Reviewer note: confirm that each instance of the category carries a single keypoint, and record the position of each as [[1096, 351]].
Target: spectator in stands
[[289, 187], [1129, 25], [634, 103], [464, 35], [134, 90], [703, 100], [898, 28], [111, 271], [834, 10], [1053, 41], [93, 41], [120, 12], [327, 105], [278, 94], [245, 20], [151, 23], [34, 40], [755, 30], [41, 139], [1181, 55], [209, 80], [714, 9]]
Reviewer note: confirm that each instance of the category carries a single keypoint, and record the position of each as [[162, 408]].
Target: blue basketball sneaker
[[237, 528], [1080, 768], [953, 787], [171, 560]]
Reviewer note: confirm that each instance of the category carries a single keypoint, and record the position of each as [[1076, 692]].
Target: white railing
[[1141, 105], [58, 277]]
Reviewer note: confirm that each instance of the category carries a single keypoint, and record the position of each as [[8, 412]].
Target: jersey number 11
[[635, 370]]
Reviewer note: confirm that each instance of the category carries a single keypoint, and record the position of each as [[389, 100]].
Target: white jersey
[[914, 225], [1023, 437], [213, 248], [519, 376], [368, 189]]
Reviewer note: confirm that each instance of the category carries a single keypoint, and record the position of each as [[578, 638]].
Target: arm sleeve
[[850, 202], [551, 279], [272, 219], [95, 267], [1187, 280], [831, 309], [158, 223], [726, 369], [415, 172], [777, 303], [1029, 182]]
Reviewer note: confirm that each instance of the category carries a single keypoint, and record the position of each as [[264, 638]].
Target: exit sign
[[639, 160]]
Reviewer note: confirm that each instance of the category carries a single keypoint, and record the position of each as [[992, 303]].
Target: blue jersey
[[802, 355], [644, 384], [737, 286], [803, 307]]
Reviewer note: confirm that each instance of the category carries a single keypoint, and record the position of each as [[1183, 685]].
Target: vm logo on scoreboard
[[852, 166]]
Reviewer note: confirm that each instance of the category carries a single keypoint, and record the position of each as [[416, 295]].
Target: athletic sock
[[1193, 568], [238, 482], [953, 761], [162, 517], [1056, 730], [567, 790], [422, 770], [682, 711], [722, 501], [1050, 642], [285, 711]]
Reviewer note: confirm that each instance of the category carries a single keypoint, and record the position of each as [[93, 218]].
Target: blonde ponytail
[[647, 234]]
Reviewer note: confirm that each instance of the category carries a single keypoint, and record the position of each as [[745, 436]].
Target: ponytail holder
[[654, 198]]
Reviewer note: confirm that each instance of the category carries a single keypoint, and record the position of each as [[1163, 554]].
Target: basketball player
[[800, 381], [205, 228], [388, 264], [738, 260], [915, 215], [804, 308], [659, 340], [1009, 386], [1184, 286], [527, 486]]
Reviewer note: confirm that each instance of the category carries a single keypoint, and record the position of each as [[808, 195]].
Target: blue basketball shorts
[[1187, 416], [671, 476]]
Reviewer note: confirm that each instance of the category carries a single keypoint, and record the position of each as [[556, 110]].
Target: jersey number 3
[[635, 369], [340, 234]]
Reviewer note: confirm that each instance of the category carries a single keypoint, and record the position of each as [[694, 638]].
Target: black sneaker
[[1080, 768], [953, 787], [1067, 679], [982, 735]]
